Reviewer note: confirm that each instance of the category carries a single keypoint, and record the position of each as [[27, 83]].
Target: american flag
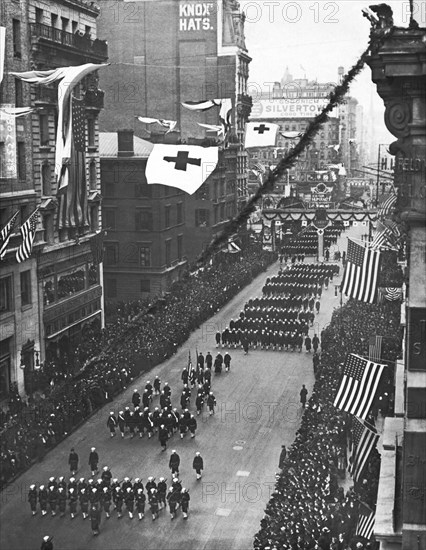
[[28, 231], [366, 519], [361, 272], [382, 236], [6, 233], [375, 348], [358, 385], [386, 206], [364, 441], [72, 187]]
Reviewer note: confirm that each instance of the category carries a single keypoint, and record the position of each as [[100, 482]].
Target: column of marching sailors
[[93, 496], [280, 320]]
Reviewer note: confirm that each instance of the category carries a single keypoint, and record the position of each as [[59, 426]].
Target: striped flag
[[386, 206], [358, 385], [364, 441], [72, 185], [361, 272], [366, 518], [375, 348], [28, 231], [391, 294], [5, 234], [381, 236]]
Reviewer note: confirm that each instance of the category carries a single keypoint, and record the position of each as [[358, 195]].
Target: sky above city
[[314, 38]]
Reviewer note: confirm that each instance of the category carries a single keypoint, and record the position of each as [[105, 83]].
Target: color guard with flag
[[358, 385]]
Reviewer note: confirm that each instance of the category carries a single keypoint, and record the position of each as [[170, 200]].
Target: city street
[[257, 411]]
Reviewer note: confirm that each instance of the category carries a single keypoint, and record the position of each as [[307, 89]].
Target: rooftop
[[108, 146]]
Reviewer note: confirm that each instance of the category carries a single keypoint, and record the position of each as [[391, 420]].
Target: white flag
[[260, 134], [170, 124], [183, 166]]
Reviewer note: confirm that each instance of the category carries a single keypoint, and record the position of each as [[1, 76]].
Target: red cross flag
[[183, 166], [260, 134]]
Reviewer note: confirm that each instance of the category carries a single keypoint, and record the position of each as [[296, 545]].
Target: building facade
[[165, 53], [144, 249], [50, 297], [292, 104]]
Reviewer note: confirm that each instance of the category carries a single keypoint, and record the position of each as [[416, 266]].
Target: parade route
[[258, 410]]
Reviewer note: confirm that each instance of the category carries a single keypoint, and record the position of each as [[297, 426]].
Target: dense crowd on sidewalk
[[308, 510], [132, 347]]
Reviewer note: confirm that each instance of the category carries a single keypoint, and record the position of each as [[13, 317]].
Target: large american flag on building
[[358, 385], [364, 440], [72, 187], [366, 520], [361, 272], [28, 231]]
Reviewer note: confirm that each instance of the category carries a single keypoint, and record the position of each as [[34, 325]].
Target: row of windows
[[139, 254], [45, 133], [6, 291], [73, 317], [62, 285], [46, 172], [144, 220]]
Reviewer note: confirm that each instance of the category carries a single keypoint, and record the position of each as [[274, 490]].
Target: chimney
[[125, 143]]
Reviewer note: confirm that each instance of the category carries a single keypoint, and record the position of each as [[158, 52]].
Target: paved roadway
[[258, 411]]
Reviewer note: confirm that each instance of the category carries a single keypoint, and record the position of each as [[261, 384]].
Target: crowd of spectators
[[308, 509], [142, 336]]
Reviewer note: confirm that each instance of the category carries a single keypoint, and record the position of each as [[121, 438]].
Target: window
[[145, 285], [111, 253], [111, 288], [145, 256], [46, 179], [94, 217], [142, 190], [23, 210], [39, 15], [53, 20], [167, 216], [87, 29], [74, 26], [92, 175], [19, 98], [64, 22], [109, 219], [21, 160], [44, 130], [201, 217], [143, 219], [6, 294], [93, 274], [179, 213], [180, 247], [16, 30], [91, 132], [26, 288], [168, 252]]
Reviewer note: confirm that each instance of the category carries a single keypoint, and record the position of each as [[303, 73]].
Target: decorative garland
[[336, 98]]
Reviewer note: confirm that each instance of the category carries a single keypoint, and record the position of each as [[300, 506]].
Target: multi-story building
[[49, 298], [144, 250], [292, 104], [173, 51]]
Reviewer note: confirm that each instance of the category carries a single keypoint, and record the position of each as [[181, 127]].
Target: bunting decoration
[[291, 135], [5, 234], [68, 78], [183, 166], [260, 134], [28, 231], [212, 127], [16, 111], [358, 385], [203, 105], [390, 294], [169, 124], [361, 272], [72, 184]]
